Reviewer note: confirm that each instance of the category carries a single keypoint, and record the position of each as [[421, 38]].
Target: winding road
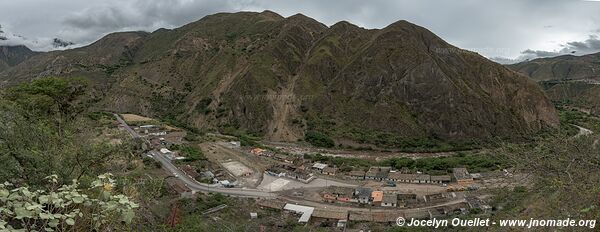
[[251, 193], [191, 183]]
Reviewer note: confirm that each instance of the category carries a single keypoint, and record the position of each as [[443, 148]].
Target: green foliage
[[191, 153], [48, 136], [202, 106], [66, 207], [343, 162], [564, 173], [51, 96], [440, 165], [249, 141], [318, 139], [97, 116], [430, 165]]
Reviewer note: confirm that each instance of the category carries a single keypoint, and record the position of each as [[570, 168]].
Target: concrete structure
[[319, 167], [462, 176], [237, 169], [304, 211]]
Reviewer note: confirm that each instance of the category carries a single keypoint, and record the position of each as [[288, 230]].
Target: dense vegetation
[[475, 162], [318, 139], [190, 153], [47, 132], [564, 174]]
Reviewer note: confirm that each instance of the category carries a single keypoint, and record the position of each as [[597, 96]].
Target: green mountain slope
[[280, 77], [13, 55], [565, 67], [571, 80]]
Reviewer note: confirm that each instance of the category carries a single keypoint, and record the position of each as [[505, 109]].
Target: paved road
[[193, 184], [201, 187], [124, 124]]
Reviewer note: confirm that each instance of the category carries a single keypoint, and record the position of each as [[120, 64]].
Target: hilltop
[[279, 78]]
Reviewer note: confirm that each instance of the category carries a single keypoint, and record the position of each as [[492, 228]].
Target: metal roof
[[319, 165], [304, 210]]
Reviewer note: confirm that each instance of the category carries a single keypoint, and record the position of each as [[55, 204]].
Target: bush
[[439, 165], [318, 139], [192, 153]]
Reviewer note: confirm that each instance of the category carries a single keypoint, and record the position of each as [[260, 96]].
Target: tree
[[50, 96], [318, 139]]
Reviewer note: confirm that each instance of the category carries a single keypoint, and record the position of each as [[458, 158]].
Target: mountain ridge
[[565, 67], [280, 77]]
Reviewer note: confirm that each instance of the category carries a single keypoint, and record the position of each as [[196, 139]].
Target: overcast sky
[[510, 29]]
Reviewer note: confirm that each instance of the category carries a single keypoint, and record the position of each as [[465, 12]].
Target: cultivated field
[[135, 118]]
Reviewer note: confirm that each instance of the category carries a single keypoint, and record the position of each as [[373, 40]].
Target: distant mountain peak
[[59, 43]]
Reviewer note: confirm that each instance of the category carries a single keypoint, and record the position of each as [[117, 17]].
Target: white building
[[305, 211]]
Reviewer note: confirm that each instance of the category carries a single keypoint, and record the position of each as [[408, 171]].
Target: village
[[321, 191]]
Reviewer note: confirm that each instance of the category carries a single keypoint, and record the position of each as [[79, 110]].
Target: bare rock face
[[281, 77]]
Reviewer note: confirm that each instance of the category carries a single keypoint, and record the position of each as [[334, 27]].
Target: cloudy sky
[[501, 29]]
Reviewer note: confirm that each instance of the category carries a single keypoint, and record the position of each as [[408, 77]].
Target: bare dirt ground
[[220, 153], [509, 182], [237, 168], [274, 184], [284, 104], [135, 118]]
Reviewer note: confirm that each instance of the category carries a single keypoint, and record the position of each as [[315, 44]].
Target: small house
[[462, 176], [329, 171], [389, 200], [357, 175], [377, 197], [363, 195], [441, 179], [377, 173], [319, 167]]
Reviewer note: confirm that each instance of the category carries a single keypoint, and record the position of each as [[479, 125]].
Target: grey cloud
[[588, 46], [492, 28], [538, 53], [144, 15], [578, 48], [8, 38]]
